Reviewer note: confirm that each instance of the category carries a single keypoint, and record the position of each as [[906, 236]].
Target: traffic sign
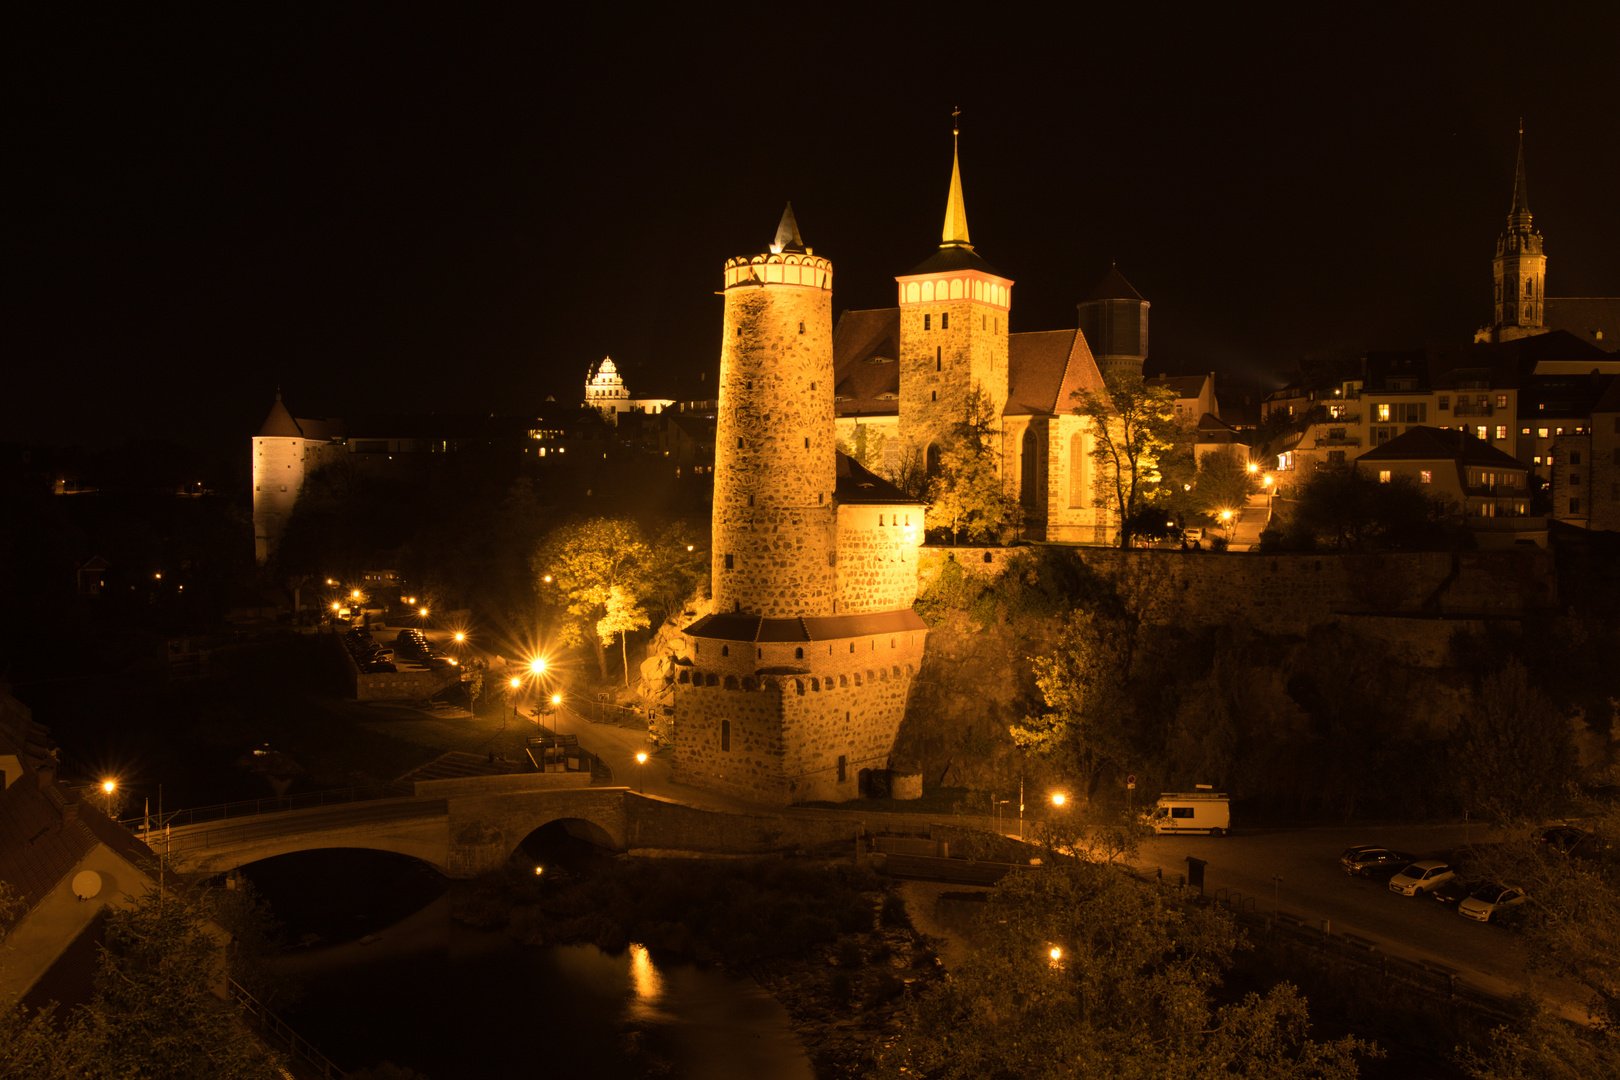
[[1130, 782]]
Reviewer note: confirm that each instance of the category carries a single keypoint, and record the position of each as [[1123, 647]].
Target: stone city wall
[[834, 657], [1287, 593], [398, 685], [877, 557]]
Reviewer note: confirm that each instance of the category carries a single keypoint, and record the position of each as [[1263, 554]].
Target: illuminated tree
[[1135, 430], [968, 496], [577, 569], [867, 447], [1081, 729], [622, 615], [1223, 482]]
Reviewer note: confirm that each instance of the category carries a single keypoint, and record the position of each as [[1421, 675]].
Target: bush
[[894, 911]]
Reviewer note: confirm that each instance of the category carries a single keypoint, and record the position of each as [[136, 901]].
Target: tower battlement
[[804, 269]]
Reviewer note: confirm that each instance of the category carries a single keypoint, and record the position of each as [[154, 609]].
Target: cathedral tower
[[774, 472], [954, 311], [1520, 269], [794, 687]]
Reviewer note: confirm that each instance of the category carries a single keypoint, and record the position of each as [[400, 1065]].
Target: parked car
[[1420, 877], [1371, 861], [1491, 903], [1455, 891], [1572, 840]]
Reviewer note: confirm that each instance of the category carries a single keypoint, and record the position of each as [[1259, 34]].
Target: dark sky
[[392, 209]]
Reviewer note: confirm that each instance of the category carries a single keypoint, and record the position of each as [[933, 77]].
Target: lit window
[[1482, 431], [1383, 412], [1383, 476], [1426, 476], [1501, 431], [1541, 433], [1524, 431], [1501, 401]]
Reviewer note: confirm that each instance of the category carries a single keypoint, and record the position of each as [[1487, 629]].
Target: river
[[450, 1001]]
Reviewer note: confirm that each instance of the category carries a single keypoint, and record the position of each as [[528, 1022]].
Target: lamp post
[[109, 786], [641, 771]]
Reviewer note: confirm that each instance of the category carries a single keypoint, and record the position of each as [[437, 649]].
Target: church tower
[[954, 311], [1520, 270]]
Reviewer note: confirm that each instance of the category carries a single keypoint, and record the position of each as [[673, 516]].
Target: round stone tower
[[775, 526]]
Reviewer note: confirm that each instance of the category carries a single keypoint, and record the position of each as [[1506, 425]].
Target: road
[[1314, 888]]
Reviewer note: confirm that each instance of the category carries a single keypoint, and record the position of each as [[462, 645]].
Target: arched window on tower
[[931, 459], [1077, 470], [1027, 468]]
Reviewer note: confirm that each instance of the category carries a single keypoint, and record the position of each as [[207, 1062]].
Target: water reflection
[[453, 1002]]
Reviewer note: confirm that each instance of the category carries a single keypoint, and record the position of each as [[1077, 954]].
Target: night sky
[[385, 210]]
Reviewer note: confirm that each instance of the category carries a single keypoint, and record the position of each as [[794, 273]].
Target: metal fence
[[276, 1032], [250, 807]]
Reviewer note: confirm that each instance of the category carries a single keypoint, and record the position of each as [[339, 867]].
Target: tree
[[154, 1012], [1512, 755], [867, 447], [577, 568], [622, 615], [1083, 972], [969, 496], [677, 564], [1341, 507], [1223, 482], [909, 472], [1135, 429], [1081, 683]]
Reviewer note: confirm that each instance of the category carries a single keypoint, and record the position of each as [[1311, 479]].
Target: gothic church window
[[1027, 470], [1077, 470]]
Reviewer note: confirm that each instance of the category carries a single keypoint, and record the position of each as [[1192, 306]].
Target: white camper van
[[1192, 812]]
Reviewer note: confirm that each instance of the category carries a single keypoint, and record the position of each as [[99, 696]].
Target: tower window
[[939, 352], [926, 320], [880, 521], [739, 442], [725, 650], [843, 767], [750, 500], [933, 395], [725, 735], [801, 328], [728, 562], [945, 321], [807, 442], [798, 654]]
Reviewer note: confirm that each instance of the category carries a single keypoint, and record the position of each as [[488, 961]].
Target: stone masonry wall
[[938, 367], [1289, 593], [787, 729], [877, 557], [774, 522]]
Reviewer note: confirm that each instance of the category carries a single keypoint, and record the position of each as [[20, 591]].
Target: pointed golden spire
[[955, 233]]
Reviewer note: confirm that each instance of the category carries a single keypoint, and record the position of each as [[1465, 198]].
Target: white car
[[1490, 901], [1421, 877]]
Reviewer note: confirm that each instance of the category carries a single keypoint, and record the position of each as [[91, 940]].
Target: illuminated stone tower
[[954, 310], [284, 452], [794, 688], [1520, 270]]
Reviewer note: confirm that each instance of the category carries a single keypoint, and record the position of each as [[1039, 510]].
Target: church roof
[[1586, 317], [947, 259], [1113, 286], [787, 233], [1610, 402], [858, 485], [866, 346], [1443, 444], [1045, 368], [1521, 190], [1185, 386]]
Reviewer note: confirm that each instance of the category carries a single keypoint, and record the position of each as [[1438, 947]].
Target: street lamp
[[641, 771], [537, 666], [108, 786], [1058, 799]]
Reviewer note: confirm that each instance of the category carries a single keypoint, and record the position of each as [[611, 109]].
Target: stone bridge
[[461, 827]]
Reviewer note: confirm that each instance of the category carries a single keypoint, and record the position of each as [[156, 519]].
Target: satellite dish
[[86, 883]]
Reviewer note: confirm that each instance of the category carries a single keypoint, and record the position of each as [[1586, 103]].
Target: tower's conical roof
[[1519, 215], [955, 233], [787, 233], [1113, 286], [280, 423]]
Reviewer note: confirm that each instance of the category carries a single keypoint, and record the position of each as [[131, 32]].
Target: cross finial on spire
[[956, 126]]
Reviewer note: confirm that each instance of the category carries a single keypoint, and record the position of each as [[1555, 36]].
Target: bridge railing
[[275, 1031], [249, 807]]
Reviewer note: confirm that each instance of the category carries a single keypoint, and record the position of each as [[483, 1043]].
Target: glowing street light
[[537, 666], [1058, 798], [355, 595], [1254, 467], [641, 773], [422, 612], [461, 637], [108, 786], [1055, 953]]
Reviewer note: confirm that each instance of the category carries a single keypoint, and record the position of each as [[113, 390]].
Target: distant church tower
[[954, 312], [1114, 319], [1520, 270], [794, 688]]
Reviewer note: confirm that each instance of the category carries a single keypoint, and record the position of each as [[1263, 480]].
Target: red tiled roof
[[1185, 386], [866, 347], [1443, 444], [1045, 368]]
